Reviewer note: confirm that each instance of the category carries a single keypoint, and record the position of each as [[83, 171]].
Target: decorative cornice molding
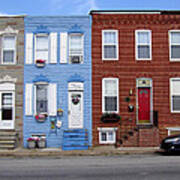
[[9, 30], [8, 79]]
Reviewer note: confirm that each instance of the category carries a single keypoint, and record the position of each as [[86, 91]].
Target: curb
[[20, 153]]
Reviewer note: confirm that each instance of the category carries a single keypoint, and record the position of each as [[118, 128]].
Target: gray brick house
[[11, 80]]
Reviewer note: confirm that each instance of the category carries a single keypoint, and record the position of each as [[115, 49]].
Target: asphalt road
[[126, 167]]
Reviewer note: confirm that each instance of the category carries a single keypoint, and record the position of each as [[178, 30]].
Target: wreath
[[75, 99]]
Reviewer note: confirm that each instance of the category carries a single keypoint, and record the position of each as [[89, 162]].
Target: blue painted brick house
[[57, 81]]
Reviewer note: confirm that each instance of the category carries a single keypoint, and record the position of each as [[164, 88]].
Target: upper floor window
[[41, 47], [175, 94], [110, 95], [175, 45], [110, 45], [75, 48], [143, 45], [8, 49], [41, 98]]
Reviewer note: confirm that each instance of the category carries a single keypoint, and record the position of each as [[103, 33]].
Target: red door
[[143, 105]]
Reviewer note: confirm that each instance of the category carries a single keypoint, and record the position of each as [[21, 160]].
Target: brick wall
[[127, 68]]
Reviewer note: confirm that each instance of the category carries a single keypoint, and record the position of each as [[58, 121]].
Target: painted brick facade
[[60, 74], [13, 73], [160, 69]]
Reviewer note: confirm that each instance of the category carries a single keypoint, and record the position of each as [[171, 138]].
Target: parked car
[[171, 143]]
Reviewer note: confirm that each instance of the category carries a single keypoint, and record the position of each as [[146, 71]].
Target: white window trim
[[103, 94], [172, 129], [82, 39], [35, 95], [108, 129], [150, 44], [171, 103], [35, 36], [117, 47], [170, 43], [14, 62]]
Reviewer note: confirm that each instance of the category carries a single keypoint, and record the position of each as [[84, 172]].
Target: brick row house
[[11, 81], [57, 80], [135, 77]]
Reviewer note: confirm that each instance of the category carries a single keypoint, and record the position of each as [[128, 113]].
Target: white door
[[75, 109], [7, 110]]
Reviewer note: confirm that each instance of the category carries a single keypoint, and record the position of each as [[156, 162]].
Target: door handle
[[69, 112]]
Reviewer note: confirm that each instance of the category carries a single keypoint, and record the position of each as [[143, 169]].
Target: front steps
[[8, 140], [141, 137], [76, 139]]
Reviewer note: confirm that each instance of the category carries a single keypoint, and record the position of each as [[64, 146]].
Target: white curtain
[[143, 37], [9, 42], [110, 37], [110, 88], [175, 37]]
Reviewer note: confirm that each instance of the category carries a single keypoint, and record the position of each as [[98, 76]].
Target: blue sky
[[80, 7]]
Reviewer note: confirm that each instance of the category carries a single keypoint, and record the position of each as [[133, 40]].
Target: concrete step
[[7, 146], [7, 142]]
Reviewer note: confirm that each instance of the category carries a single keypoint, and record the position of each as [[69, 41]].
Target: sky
[[81, 7]]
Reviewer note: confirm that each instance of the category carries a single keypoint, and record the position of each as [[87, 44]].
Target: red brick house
[[135, 77]]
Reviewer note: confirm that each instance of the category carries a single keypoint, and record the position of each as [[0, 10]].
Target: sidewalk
[[57, 152]]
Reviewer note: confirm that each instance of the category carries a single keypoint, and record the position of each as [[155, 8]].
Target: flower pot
[[40, 64], [41, 143], [31, 144]]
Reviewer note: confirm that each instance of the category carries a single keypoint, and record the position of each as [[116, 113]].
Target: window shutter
[[63, 47], [52, 100], [29, 48], [53, 48], [28, 99]]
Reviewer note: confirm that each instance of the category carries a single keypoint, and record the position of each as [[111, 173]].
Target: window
[[143, 45], [41, 98], [110, 45], [110, 95], [173, 131], [107, 135], [9, 50], [7, 106], [76, 48], [42, 46], [175, 94], [175, 45]]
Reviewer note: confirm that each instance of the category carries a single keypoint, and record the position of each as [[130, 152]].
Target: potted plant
[[110, 117], [32, 142], [40, 62], [41, 142], [41, 117], [60, 112]]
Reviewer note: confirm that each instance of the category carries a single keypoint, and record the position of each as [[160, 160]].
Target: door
[[75, 109], [144, 106], [7, 110]]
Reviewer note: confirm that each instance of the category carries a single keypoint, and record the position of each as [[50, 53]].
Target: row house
[[135, 77], [57, 82], [11, 80]]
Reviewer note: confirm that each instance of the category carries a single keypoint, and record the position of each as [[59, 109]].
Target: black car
[[171, 143]]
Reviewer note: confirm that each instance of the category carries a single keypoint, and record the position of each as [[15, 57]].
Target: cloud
[[76, 7]]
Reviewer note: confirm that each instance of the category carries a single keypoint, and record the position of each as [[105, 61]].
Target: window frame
[[15, 49], [35, 97], [69, 46], [171, 94], [117, 45], [149, 44], [35, 45], [107, 130], [103, 95], [170, 44]]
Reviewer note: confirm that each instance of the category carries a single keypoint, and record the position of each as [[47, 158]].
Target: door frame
[[76, 87], [14, 110], [148, 84]]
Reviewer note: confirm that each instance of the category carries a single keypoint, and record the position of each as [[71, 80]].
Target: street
[[126, 167]]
